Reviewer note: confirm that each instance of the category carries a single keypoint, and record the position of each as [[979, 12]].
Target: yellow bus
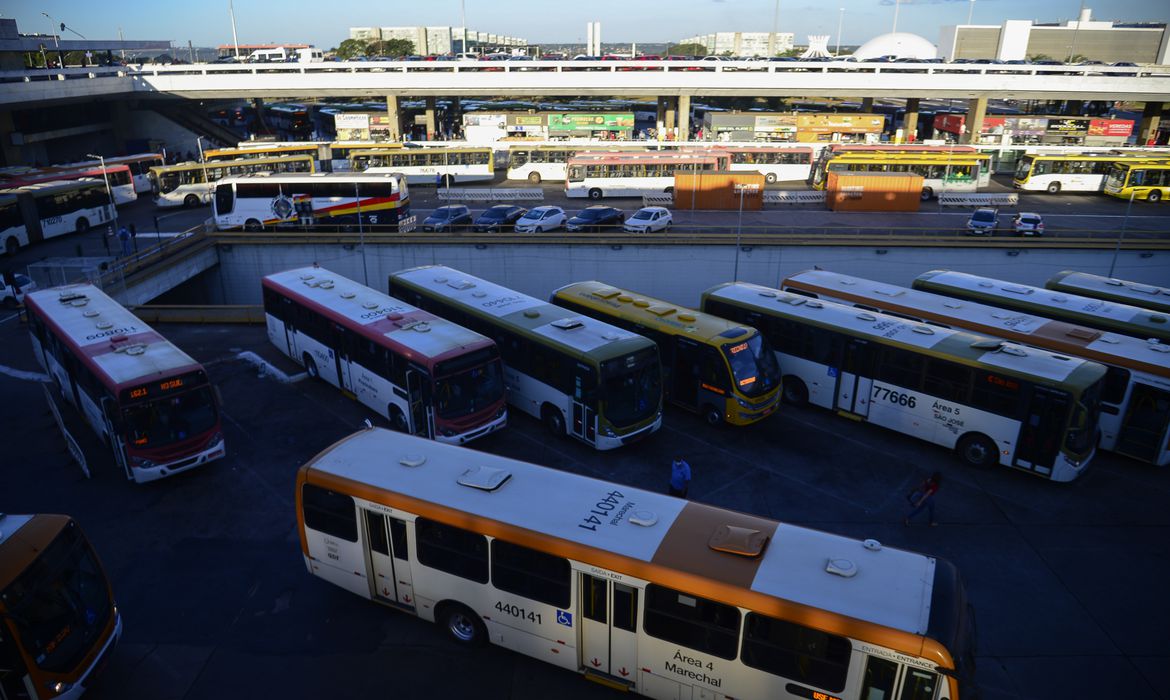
[[721, 369], [636, 590], [263, 150], [58, 620], [1148, 180], [1145, 296], [1065, 172], [940, 171]]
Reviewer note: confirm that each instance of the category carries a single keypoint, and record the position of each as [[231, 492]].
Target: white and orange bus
[[118, 177], [138, 163], [635, 589], [58, 621], [149, 401], [427, 376], [1135, 397]]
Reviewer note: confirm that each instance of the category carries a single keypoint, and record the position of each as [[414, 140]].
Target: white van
[[310, 55], [277, 55]]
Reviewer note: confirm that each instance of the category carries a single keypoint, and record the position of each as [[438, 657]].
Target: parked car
[[500, 217], [649, 219], [983, 222], [1028, 224], [541, 219], [596, 218], [448, 218]]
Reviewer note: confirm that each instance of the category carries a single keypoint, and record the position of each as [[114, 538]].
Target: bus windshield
[[468, 391], [753, 365], [1116, 177], [60, 604], [1024, 167], [630, 387], [1082, 427], [170, 420]]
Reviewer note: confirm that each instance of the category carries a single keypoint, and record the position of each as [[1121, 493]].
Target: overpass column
[[866, 105], [976, 110], [684, 118], [455, 118], [660, 118], [10, 151], [261, 120], [1147, 129], [910, 121], [430, 116], [668, 119], [394, 116]]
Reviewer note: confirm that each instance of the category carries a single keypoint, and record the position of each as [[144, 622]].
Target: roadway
[[1067, 580]]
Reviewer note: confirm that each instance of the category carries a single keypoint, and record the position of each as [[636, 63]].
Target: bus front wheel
[[595, 193], [770, 178], [927, 194], [712, 415], [191, 201], [977, 450], [1054, 188], [82, 225], [398, 420], [251, 225], [11, 245], [554, 421], [311, 366], [794, 391], [534, 178], [1154, 196], [463, 625]]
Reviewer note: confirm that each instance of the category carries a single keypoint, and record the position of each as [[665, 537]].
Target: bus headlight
[[59, 686], [743, 403], [608, 431], [215, 440], [141, 463], [446, 432]]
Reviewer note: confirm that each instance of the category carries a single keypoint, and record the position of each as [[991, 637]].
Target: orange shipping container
[[873, 191], [719, 190]]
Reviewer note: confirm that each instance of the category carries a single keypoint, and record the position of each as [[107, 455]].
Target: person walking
[[124, 237], [922, 498], [680, 477]]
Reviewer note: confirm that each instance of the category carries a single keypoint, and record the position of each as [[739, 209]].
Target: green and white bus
[[991, 401], [582, 377]]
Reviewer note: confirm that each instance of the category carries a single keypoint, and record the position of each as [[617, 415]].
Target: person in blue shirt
[[680, 477]]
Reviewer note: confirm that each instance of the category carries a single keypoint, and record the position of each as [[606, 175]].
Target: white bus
[[1135, 398], [1086, 311], [537, 163], [427, 376], [191, 184], [1145, 296], [634, 589], [991, 401], [33, 213], [139, 165], [148, 401], [580, 376], [428, 166], [329, 201], [775, 163], [116, 177], [597, 174]]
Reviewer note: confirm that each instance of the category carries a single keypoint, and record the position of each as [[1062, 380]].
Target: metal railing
[[491, 194], [793, 197], [982, 199]]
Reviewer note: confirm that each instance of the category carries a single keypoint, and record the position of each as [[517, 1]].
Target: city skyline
[[298, 21]]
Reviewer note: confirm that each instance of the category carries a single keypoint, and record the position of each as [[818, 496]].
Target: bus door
[[609, 617], [288, 312], [854, 379], [1143, 428], [889, 680], [684, 379], [420, 414], [342, 350], [389, 564], [584, 409], [14, 679], [110, 423], [1041, 430]]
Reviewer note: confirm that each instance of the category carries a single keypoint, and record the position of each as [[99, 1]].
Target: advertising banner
[[591, 122], [1111, 127], [351, 121]]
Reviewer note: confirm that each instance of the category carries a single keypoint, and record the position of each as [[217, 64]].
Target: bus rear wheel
[[534, 178], [82, 225], [191, 201], [927, 194], [1053, 188], [595, 193], [252, 225], [977, 450], [463, 625], [794, 391], [311, 366], [448, 181], [770, 178], [398, 420], [1154, 196], [554, 421], [11, 245]]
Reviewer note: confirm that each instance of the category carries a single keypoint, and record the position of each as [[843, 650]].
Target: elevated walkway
[[152, 272], [187, 116]]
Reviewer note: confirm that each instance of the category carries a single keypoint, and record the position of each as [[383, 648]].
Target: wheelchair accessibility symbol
[[564, 618]]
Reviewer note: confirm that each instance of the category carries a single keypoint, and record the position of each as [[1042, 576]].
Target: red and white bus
[[58, 621], [139, 164], [427, 376], [149, 401], [120, 180]]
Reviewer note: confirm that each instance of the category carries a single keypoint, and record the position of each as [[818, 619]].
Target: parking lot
[[1067, 579]]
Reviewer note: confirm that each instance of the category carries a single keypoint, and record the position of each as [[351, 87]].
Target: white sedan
[[541, 219], [649, 219]]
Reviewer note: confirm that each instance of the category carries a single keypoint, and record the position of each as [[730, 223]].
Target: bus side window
[[878, 682], [918, 685], [712, 369], [329, 512]]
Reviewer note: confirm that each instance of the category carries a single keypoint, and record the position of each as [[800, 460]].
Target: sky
[[326, 24]]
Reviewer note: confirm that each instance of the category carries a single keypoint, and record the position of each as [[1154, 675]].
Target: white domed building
[[898, 44]]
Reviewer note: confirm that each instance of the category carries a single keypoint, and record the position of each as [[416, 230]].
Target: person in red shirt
[[922, 498]]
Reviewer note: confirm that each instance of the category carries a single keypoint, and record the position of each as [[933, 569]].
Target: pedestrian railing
[[793, 197], [658, 199], [978, 199], [491, 194]]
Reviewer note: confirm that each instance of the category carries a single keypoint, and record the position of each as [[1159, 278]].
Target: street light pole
[[840, 22], [357, 199], [109, 193], [199, 145], [235, 41], [738, 230], [1121, 235]]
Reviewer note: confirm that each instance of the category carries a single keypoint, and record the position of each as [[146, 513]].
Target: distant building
[[440, 40], [1139, 42], [742, 43]]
